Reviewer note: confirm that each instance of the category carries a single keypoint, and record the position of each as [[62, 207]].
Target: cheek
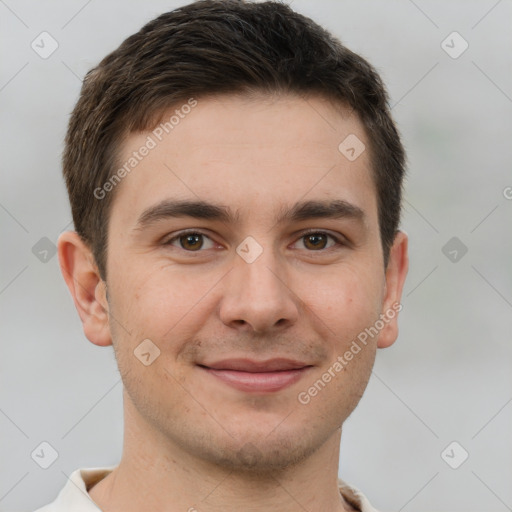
[[160, 304], [346, 301]]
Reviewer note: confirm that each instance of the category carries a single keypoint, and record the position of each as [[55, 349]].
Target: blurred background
[[432, 432]]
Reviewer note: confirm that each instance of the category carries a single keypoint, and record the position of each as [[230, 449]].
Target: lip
[[253, 366], [257, 376]]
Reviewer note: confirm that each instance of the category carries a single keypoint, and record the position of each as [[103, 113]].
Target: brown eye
[[318, 241], [315, 241], [191, 241]]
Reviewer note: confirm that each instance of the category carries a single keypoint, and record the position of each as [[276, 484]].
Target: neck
[[156, 474]]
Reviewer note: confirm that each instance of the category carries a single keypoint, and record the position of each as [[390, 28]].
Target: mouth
[[257, 376]]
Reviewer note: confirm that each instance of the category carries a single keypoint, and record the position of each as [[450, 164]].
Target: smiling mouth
[[257, 376]]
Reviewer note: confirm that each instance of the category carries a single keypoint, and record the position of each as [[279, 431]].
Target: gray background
[[447, 378]]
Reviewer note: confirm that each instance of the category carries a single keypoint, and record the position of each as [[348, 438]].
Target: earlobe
[[396, 273], [86, 287]]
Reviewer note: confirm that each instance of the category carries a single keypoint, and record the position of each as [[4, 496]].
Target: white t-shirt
[[74, 496]]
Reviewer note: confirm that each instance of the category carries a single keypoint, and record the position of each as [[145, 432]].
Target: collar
[[74, 496]]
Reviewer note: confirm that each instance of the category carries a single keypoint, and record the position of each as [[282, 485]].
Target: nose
[[257, 298]]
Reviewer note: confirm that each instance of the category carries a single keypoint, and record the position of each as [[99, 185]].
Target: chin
[[262, 458], [257, 453]]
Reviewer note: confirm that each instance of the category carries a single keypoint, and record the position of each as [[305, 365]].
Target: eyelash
[[339, 242]]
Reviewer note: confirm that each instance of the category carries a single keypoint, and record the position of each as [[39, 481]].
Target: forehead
[[253, 154]]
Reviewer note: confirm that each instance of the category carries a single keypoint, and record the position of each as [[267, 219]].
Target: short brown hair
[[212, 47]]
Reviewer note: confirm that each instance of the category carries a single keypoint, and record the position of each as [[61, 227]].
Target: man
[[235, 182]]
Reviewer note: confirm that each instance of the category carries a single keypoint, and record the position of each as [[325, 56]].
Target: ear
[[396, 272], [86, 286]]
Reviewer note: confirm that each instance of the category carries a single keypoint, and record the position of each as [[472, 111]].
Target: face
[[245, 247]]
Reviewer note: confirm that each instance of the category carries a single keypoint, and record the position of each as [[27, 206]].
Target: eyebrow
[[305, 210]]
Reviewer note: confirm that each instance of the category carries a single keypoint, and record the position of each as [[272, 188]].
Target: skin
[[191, 441]]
